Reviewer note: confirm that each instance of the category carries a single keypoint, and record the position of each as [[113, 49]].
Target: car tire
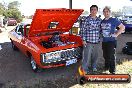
[[124, 50], [34, 66], [14, 47], [81, 80]]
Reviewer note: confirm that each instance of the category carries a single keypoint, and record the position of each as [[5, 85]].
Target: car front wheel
[[14, 47], [34, 66]]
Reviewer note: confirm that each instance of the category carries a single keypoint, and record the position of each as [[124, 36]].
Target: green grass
[[124, 68]]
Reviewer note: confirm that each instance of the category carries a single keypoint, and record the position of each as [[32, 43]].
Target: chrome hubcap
[[33, 63]]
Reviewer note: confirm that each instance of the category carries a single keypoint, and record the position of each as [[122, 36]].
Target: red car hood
[[43, 17]]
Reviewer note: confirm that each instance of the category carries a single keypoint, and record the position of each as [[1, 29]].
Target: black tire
[[34, 66], [124, 50], [14, 47], [81, 80]]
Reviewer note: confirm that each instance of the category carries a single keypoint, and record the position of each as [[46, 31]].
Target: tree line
[[11, 10]]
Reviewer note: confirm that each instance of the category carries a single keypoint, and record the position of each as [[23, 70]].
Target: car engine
[[54, 41]]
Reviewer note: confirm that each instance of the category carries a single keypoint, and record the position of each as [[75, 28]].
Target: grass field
[[124, 68]]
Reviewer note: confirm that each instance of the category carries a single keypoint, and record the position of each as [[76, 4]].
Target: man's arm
[[83, 31]]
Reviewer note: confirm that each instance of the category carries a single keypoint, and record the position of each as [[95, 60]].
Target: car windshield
[[126, 21]]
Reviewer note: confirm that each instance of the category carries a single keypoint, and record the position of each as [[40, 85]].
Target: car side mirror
[[19, 33]]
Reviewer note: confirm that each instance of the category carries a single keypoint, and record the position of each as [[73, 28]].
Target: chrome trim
[[65, 55]]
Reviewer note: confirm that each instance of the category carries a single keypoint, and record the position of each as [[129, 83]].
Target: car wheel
[[81, 80], [34, 66], [14, 47]]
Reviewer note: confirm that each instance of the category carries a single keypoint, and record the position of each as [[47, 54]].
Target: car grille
[[65, 55], [71, 53]]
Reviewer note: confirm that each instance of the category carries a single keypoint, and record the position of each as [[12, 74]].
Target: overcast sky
[[28, 6]]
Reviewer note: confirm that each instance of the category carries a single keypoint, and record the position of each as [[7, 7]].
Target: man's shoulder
[[114, 18], [82, 18], [111, 19], [99, 18], [87, 17]]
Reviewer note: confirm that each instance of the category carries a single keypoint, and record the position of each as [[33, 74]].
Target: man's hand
[[113, 35], [84, 43]]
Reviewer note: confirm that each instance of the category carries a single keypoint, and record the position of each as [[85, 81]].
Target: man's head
[[106, 12], [93, 10]]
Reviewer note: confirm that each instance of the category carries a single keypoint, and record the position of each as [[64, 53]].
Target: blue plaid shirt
[[90, 29]]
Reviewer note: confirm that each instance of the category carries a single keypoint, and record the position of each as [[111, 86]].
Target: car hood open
[[52, 20]]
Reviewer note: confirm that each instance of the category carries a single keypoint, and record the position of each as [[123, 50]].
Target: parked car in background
[[128, 48], [128, 25], [11, 22], [44, 40]]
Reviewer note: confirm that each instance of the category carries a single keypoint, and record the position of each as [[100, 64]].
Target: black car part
[[128, 48]]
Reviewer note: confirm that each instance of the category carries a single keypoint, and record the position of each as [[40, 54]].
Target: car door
[[21, 38], [24, 40], [16, 36], [19, 35]]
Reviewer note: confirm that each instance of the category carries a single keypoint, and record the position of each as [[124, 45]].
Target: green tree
[[116, 13], [12, 11], [2, 9], [14, 5], [85, 13], [127, 10]]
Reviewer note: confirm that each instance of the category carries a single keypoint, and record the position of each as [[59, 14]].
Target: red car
[[11, 22], [46, 41]]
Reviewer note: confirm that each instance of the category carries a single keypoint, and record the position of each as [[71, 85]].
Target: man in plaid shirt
[[90, 34]]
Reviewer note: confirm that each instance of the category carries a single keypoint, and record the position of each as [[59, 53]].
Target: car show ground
[[15, 70]]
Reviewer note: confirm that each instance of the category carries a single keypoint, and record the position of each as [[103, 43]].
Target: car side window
[[16, 28], [20, 30]]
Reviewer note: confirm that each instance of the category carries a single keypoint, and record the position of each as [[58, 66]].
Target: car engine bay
[[55, 41]]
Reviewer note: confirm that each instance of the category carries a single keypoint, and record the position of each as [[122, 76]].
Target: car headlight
[[53, 55]]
